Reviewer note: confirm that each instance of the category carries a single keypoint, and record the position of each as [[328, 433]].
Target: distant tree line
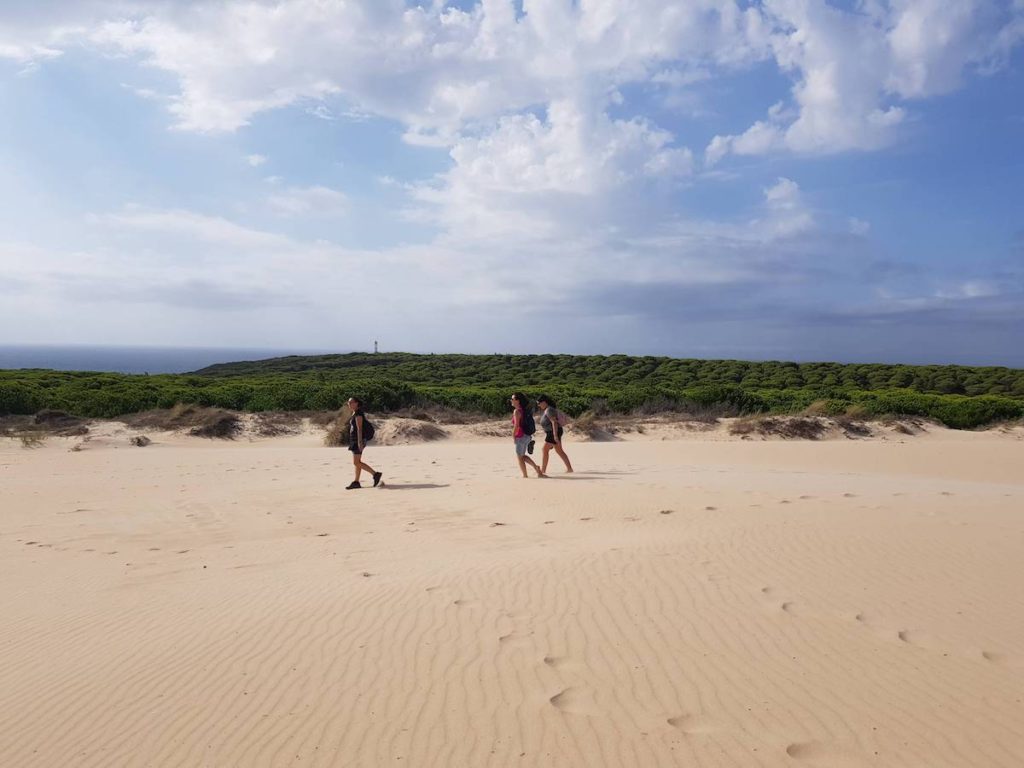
[[959, 396]]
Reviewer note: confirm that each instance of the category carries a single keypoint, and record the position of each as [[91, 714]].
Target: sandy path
[[675, 603]]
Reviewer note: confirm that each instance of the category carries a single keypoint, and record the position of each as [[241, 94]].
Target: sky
[[755, 179]]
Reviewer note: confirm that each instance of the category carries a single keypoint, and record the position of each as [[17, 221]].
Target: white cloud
[[852, 69], [551, 160]]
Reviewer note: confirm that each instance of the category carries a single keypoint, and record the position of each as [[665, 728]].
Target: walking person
[[522, 432], [360, 430], [551, 421]]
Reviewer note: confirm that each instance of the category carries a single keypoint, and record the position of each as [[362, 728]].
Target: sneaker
[[376, 478], [353, 484], [529, 448]]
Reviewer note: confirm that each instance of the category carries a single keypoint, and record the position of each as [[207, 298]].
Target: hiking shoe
[[376, 478], [353, 484], [529, 448]]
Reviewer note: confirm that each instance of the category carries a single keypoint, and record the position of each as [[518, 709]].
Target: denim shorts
[[522, 443]]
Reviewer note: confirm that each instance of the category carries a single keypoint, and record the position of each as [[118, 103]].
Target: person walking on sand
[[522, 433], [360, 430], [551, 421]]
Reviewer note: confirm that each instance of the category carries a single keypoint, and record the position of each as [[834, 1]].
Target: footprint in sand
[[693, 724], [513, 639], [918, 639], [832, 755], [995, 657], [572, 700], [666, 512], [849, 495]]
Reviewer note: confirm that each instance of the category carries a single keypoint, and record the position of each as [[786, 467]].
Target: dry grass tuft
[[277, 423], [322, 419], [409, 431], [31, 440], [440, 414], [906, 425], [817, 408], [589, 428], [140, 441], [337, 430], [853, 427], [786, 427], [199, 420], [220, 425]]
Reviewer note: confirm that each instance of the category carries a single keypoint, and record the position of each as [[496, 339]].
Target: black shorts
[[354, 447], [549, 437]]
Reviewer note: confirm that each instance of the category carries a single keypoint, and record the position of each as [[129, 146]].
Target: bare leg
[[523, 461], [561, 453], [360, 465], [545, 457]]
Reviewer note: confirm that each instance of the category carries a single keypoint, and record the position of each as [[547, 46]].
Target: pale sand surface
[[697, 602]]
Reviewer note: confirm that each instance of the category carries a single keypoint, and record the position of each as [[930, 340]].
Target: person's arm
[[359, 431], [555, 426]]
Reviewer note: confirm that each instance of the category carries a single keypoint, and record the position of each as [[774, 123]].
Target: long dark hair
[[546, 399], [359, 402], [524, 403]]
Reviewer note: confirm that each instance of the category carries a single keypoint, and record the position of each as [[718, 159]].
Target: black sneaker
[[376, 478], [352, 485], [529, 448]]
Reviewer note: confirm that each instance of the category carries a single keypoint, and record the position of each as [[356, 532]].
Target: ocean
[[133, 359]]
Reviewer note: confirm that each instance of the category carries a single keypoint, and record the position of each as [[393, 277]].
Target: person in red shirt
[[522, 438]]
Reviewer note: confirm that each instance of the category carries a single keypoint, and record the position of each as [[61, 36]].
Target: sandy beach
[[693, 601]]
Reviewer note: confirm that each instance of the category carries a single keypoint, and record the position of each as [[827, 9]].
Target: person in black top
[[551, 423], [359, 431]]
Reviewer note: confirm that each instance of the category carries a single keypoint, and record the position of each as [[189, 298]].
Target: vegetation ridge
[[959, 396]]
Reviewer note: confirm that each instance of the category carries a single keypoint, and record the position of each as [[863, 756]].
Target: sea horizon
[[133, 359]]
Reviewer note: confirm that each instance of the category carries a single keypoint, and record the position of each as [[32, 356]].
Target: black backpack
[[527, 423], [367, 429]]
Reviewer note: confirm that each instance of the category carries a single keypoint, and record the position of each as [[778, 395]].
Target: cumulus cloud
[[854, 72], [550, 160]]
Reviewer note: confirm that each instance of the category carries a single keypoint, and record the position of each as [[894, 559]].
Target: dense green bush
[[958, 396]]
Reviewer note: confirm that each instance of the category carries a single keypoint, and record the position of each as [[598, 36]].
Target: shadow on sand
[[411, 486]]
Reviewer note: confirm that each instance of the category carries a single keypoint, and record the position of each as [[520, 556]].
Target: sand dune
[[699, 602]]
